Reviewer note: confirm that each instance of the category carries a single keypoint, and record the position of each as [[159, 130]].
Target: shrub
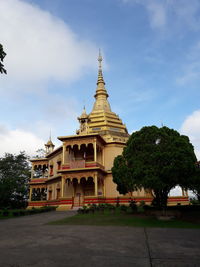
[[22, 212], [194, 201], [140, 208], [80, 211], [5, 213], [132, 205], [123, 208], [15, 213]]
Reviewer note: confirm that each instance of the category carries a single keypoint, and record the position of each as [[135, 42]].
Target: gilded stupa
[[102, 120]]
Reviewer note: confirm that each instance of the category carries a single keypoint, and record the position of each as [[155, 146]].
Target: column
[[64, 148], [102, 156], [30, 193], [95, 151], [47, 193], [95, 185], [104, 187], [32, 170], [62, 186]]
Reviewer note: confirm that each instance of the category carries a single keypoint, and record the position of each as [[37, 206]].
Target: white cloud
[[182, 14], [41, 50], [39, 46], [16, 140], [191, 68], [191, 128], [157, 14], [176, 191]]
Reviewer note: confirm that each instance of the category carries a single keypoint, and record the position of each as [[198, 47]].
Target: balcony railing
[[38, 180], [78, 164]]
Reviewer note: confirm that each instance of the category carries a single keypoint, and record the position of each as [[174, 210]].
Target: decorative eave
[[79, 170], [53, 178], [85, 136], [58, 149], [116, 143], [38, 159]]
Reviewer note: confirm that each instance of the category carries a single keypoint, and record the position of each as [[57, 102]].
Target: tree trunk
[[160, 199]]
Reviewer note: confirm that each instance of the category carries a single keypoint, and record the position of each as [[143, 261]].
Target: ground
[[29, 241]]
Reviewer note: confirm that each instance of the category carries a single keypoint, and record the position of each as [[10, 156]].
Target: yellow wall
[[110, 152]]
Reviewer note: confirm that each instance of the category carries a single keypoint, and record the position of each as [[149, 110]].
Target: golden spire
[[84, 114], [100, 74], [101, 95]]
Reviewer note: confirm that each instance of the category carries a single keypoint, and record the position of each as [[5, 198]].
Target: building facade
[[79, 171]]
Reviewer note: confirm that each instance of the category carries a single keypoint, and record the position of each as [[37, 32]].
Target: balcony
[[81, 164], [40, 180]]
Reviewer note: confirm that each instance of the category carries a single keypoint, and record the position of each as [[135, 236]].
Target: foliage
[[14, 177], [2, 55], [194, 201], [92, 208], [122, 175], [157, 159], [6, 213], [195, 184], [141, 207], [133, 205], [40, 153], [123, 208]]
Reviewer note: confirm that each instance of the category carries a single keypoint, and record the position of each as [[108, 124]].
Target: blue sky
[[151, 51]]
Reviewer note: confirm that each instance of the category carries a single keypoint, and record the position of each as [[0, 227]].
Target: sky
[[151, 66]]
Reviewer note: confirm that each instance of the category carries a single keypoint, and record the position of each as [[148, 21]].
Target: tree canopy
[[195, 184], [2, 55], [157, 159], [14, 177]]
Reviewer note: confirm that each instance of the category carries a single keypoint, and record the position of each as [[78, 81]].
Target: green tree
[[14, 177], [157, 159], [195, 185], [2, 55]]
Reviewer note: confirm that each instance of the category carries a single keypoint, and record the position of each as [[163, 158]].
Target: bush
[[140, 208], [22, 212], [132, 205], [194, 201], [123, 208], [5, 213], [15, 213]]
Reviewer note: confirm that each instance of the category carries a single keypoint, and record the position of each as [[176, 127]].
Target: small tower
[[49, 146], [83, 120]]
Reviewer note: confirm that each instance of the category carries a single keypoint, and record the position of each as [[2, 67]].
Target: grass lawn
[[120, 219]]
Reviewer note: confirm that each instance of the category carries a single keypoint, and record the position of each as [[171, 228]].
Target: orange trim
[[39, 180], [96, 200]]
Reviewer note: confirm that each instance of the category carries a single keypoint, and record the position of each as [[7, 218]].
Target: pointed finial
[[84, 110], [100, 59], [50, 135], [100, 74]]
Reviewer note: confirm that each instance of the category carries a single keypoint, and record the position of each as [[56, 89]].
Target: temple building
[[79, 171]]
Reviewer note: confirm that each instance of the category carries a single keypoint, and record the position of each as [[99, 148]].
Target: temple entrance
[[82, 189], [78, 200], [78, 193]]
